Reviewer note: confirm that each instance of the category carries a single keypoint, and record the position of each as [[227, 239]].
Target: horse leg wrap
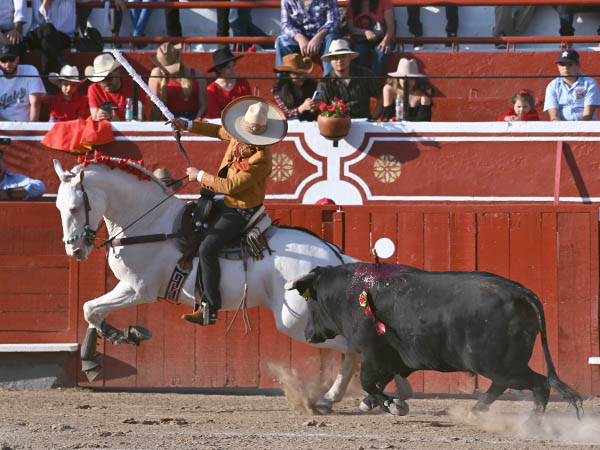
[[90, 363], [112, 334]]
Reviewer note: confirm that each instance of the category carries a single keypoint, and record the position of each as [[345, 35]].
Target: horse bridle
[[88, 234]]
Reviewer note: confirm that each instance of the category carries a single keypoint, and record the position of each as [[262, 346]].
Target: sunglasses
[[8, 59], [107, 79]]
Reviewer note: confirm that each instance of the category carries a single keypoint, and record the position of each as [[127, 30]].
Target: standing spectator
[[416, 27], [354, 84], [139, 19], [172, 21], [523, 108], [508, 24], [14, 186], [12, 19], [226, 87], [571, 96], [110, 88], [419, 96], [240, 21], [176, 85], [52, 28], [307, 28], [68, 104], [372, 25], [115, 17], [20, 88], [293, 92]]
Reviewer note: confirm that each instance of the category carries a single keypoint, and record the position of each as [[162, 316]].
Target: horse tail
[[334, 248]]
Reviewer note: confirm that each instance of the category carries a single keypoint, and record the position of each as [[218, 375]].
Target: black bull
[[473, 322]]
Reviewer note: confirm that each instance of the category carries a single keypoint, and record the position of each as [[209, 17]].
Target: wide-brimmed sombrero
[[254, 120]]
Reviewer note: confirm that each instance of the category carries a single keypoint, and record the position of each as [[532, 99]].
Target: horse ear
[[60, 171]]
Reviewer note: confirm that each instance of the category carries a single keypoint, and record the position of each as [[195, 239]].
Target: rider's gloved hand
[[194, 174]]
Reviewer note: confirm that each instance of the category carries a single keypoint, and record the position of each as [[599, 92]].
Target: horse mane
[[334, 248]]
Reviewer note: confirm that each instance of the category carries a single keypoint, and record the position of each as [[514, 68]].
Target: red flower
[[322, 106]]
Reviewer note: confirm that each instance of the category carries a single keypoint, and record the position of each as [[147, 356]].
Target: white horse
[[144, 270]]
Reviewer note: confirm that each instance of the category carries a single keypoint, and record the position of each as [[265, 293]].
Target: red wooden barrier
[[551, 249]]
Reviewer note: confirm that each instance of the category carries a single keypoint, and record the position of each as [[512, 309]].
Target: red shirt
[[175, 100], [218, 98], [62, 109], [97, 96], [377, 15], [530, 116]]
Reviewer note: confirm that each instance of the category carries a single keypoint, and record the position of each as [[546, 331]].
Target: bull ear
[[295, 284]]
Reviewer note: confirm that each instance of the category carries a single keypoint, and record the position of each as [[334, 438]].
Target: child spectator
[[226, 87], [419, 97], [68, 104], [523, 108], [293, 92], [177, 85], [372, 25]]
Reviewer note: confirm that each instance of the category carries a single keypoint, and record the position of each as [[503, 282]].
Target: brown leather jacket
[[242, 188]]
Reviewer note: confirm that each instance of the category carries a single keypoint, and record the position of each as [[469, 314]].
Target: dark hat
[[569, 55], [221, 57], [9, 50]]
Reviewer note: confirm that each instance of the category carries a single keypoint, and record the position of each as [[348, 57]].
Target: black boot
[[388, 112]]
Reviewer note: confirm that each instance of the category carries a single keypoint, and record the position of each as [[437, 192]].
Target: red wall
[[553, 250]]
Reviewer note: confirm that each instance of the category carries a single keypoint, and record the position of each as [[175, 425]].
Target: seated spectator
[[354, 84], [419, 96], [139, 19], [416, 27], [14, 186], [165, 176], [51, 30], [372, 25], [68, 104], [20, 88], [173, 23], [307, 29], [572, 95], [240, 20], [12, 19], [565, 16], [226, 86], [110, 88], [177, 85], [293, 92], [508, 24], [115, 17], [523, 108]]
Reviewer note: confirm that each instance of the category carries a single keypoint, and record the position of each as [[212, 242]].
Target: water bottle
[[399, 109], [129, 110]]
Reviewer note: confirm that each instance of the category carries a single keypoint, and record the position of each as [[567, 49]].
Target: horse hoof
[[91, 369], [367, 404], [137, 334]]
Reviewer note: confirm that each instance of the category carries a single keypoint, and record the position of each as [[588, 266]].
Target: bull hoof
[[323, 406], [367, 403], [398, 407]]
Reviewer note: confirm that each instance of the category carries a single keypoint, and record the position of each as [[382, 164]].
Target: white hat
[[339, 47], [67, 73], [254, 120], [406, 68], [103, 65]]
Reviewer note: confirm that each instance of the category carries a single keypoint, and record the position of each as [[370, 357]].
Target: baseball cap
[[9, 50], [568, 56]]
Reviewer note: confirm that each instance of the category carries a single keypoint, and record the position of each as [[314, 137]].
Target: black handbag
[[91, 41]]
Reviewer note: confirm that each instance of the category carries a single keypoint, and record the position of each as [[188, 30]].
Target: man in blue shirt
[[14, 186], [307, 27], [572, 96]]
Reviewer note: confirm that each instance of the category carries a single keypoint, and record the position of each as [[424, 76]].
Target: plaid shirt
[[320, 15]]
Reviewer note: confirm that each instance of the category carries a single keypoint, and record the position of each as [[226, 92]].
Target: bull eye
[[306, 294]]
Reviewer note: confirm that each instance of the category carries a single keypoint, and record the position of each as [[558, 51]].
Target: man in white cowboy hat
[[354, 84], [69, 104], [251, 125], [20, 88], [109, 90]]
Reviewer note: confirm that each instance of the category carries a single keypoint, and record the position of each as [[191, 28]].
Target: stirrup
[[208, 317]]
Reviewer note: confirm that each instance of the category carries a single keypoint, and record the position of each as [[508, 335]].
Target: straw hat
[[103, 65], [168, 57], [67, 73], [254, 120], [221, 57], [295, 63], [165, 176], [406, 68], [339, 47]]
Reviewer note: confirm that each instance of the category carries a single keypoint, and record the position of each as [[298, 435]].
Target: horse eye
[[73, 210]]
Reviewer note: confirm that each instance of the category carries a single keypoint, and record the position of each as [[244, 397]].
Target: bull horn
[[292, 284]]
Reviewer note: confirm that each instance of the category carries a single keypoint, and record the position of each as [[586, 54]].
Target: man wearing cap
[[14, 186], [251, 125], [109, 90], [571, 96], [20, 88], [354, 84]]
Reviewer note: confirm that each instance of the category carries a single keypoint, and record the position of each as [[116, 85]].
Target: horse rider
[[251, 125]]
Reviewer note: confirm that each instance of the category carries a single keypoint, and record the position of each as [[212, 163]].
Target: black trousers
[[51, 42], [229, 223], [414, 20], [172, 21]]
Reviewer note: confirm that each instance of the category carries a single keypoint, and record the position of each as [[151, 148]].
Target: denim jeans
[[240, 21], [282, 49], [139, 18], [379, 58]]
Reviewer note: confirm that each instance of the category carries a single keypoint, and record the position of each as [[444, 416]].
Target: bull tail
[[568, 393]]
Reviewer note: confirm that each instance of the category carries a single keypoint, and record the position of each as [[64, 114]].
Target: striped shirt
[[12, 11], [61, 15], [296, 18]]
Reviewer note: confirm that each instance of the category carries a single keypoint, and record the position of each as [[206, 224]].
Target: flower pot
[[333, 128]]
